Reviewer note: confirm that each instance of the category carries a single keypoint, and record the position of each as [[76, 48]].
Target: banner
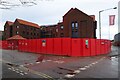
[[111, 20]]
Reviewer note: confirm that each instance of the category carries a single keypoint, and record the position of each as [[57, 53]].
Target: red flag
[[111, 20]]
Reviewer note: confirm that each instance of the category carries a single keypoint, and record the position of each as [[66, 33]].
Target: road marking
[[9, 68], [87, 66], [17, 71], [37, 62], [25, 73], [76, 71], [21, 73], [82, 69], [69, 76], [38, 73], [30, 70]]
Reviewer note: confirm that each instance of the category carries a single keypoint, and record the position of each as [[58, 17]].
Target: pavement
[[23, 65]]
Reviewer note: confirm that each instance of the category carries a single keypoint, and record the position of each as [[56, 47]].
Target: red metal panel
[[19, 45], [23, 45], [16, 44], [86, 47], [57, 46], [43, 46], [50, 45], [30, 47], [39, 42], [98, 46], [4, 45], [93, 47], [33, 45], [102, 46], [76, 47], [26, 45], [66, 46], [109, 46], [0, 44], [106, 47]]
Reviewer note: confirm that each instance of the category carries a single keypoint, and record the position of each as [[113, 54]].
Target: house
[[23, 28], [77, 24]]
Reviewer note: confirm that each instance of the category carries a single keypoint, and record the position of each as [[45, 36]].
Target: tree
[[8, 4]]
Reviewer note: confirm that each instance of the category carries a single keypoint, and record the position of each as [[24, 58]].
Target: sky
[[48, 12]]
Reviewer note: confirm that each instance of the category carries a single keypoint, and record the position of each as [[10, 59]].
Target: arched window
[[76, 25], [73, 25]]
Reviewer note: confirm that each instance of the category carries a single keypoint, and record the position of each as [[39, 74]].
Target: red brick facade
[[23, 28], [75, 24]]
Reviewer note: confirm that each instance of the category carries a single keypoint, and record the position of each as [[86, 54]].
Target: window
[[62, 27], [27, 33], [17, 32], [72, 25], [56, 30], [76, 25], [17, 26], [23, 32]]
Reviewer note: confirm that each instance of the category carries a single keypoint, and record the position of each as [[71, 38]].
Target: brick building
[[48, 31], [77, 24], [7, 29], [23, 28]]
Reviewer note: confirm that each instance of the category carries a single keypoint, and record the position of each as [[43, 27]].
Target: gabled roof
[[28, 23], [75, 9], [9, 23], [69, 11], [16, 37]]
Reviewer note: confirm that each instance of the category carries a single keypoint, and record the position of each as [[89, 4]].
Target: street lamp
[[100, 19]]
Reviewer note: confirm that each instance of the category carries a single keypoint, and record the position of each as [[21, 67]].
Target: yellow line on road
[[32, 71], [37, 73]]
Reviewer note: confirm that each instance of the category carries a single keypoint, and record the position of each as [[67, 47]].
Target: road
[[23, 65]]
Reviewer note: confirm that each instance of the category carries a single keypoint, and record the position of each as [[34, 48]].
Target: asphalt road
[[23, 65]]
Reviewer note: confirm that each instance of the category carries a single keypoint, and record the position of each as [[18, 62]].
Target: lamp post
[[100, 19]]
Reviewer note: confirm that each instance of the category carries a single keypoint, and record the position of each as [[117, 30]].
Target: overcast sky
[[51, 11]]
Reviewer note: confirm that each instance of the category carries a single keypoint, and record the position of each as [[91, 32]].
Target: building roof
[[9, 22], [28, 23], [75, 9], [16, 37], [93, 16], [49, 25]]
